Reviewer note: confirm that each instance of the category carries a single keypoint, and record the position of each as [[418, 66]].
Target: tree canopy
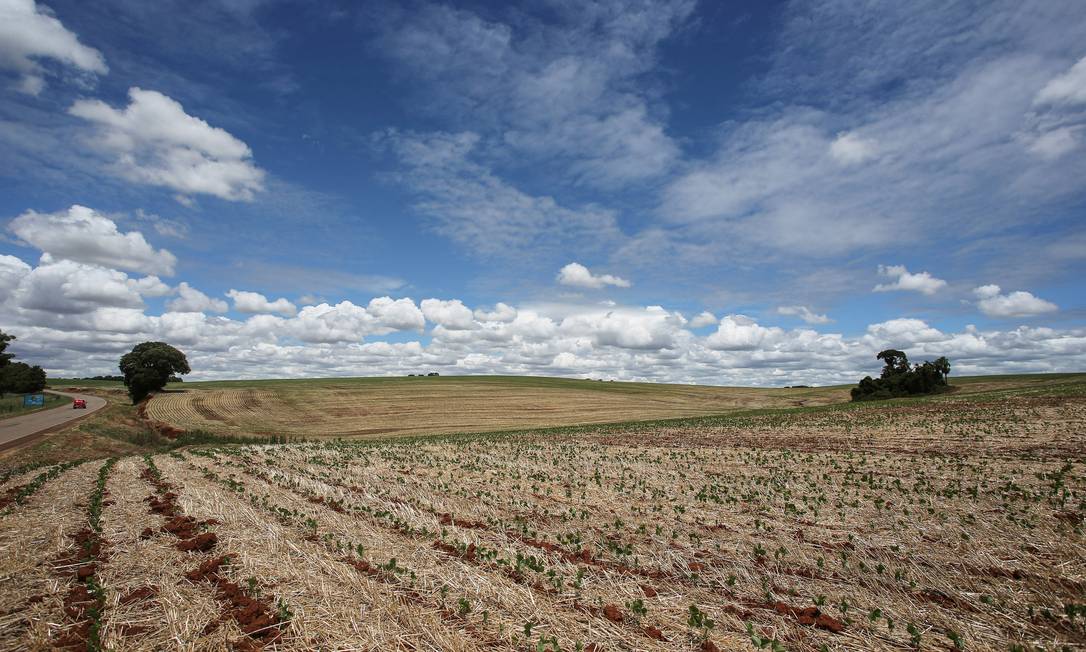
[[18, 377], [5, 358], [21, 378], [898, 378], [149, 366]]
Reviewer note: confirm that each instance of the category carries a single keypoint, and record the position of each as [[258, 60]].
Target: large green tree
[[21, 378], [148, 367], [18, 377]]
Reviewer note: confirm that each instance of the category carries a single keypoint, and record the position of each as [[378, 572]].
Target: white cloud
[[150, 286], [396, 315], [347, 322], [83, 235], [453, 315], [78, 319], [703, 319], [741, 333], [154, 141], [501, 313], [67, 287], [12, 271], [804, 313], [1067, 88], [922, 282], [577, 275], [29, 32], [901, 332], [189, 299], [1014, 304], [911, 89], [850, 149], [254, 302], [651, 328], [560, 90]]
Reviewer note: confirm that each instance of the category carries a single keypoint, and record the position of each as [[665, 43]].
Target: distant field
[[361, 407], [378, 407]]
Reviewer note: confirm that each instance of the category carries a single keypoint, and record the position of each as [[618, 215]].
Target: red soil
[[612, 613], [139, 595], [256, 617]]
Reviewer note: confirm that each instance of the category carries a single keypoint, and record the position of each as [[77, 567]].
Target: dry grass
[[378, 407], [921, 524]]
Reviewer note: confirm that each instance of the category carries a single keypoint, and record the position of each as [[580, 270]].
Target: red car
[[79, 404]]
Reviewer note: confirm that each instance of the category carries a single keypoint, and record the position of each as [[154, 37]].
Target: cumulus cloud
[[77, 318], [453, 315], [189, 299], [501, 313], [1067, 88], [703, 319], [577, 275], [150, 286], [993, 303], [804, 313], [154, 141], [741, 333], [347, 322], [84, 235], [68, 287], [28, 33], [850, 149], [254, 302], [651, 328], [12, 271], [922, 282], [903, 331]]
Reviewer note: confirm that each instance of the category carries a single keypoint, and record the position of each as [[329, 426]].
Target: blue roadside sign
[[34, 400]]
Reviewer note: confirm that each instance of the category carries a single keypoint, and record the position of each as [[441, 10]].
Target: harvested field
[[377, 407], [382, 407], [953, 523]]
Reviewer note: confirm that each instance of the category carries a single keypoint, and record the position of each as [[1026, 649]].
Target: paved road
[[15, 428]]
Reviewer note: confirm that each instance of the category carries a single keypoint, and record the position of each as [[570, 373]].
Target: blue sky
[[752, 193]]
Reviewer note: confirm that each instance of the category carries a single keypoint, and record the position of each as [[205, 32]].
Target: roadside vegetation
[[13, 404]]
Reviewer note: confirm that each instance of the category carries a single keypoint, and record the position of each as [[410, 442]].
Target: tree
[[896, 362], [942, 365], [18, 377], [148, 367], [900, 379], [21, 378], [5, 358]]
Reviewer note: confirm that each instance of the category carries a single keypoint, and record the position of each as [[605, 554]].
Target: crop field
[[385, 406], [949, 523]]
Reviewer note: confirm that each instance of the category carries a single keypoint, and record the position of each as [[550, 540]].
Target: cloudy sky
[[761, 193]]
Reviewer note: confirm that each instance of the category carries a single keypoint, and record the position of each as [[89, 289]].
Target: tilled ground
[[949, 525]]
